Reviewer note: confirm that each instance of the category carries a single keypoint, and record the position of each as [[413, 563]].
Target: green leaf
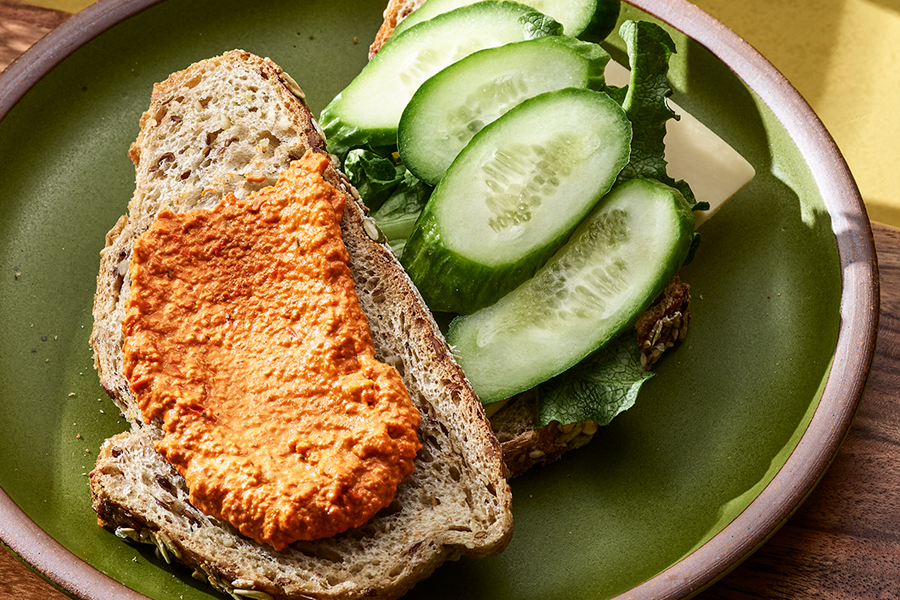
[[373, 175], [539, 25], [616, 93], [598, 388], [399, 213], [649, 50]]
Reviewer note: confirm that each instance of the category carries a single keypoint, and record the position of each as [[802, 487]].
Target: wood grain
[[21, 25], [18, 582], [844, 541]]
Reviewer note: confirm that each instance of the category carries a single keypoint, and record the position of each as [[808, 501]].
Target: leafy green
[[399, 213], [649, 50], [374, 176], [539, 25], [598, 388], [616, 93], [393, 194]]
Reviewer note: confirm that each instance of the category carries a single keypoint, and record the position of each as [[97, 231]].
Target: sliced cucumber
[[451, 107], [588, 19], [617, 261], [367, 111], [514, 195]]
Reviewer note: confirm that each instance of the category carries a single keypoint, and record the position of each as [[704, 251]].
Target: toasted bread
[[231, 124], [396, 11]]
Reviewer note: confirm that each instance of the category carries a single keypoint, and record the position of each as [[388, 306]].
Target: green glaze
[[704, 438]]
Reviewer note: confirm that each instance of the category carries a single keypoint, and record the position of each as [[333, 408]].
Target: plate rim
[[804, 467], [48, 52], [855, 348]]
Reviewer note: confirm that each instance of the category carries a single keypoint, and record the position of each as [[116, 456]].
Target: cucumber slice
[[588, 19], [617, 261], [513, 196], [368, 110], [451, 107]]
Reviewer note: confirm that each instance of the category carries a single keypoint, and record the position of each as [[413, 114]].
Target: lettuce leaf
[[539, 25], [598, 388], [649, 50], [399, 213], [373, 175]]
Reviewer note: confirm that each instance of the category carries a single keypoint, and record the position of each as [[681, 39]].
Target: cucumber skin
[[595, 59], [601, 24], [432, 266], [424, 257], [496, 391], [604, 22], [341, 135]]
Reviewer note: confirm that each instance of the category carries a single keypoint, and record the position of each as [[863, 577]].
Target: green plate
[[723, 445]]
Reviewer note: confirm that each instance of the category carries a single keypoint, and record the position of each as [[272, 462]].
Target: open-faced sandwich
[[269, 325]]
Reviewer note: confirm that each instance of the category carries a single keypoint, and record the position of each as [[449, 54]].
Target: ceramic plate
[[722, 446]]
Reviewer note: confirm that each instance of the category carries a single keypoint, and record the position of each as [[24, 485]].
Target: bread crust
[[396, 11], [230, 124]]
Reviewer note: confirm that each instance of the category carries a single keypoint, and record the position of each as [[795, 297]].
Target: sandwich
[[227, 129]]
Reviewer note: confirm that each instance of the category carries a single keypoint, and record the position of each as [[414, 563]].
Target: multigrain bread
[[230, 124], [664, 324]]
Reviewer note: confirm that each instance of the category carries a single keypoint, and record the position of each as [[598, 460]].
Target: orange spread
[[244, 336]]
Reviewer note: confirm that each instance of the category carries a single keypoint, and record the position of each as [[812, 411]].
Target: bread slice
[[231, 124]]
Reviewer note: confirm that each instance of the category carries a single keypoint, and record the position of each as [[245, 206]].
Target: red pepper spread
[[245, 338]]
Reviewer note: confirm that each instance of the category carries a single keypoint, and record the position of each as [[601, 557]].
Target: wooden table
[[843, 543]]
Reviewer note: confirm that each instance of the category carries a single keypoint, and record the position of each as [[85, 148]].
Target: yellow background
[[844, 58]]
